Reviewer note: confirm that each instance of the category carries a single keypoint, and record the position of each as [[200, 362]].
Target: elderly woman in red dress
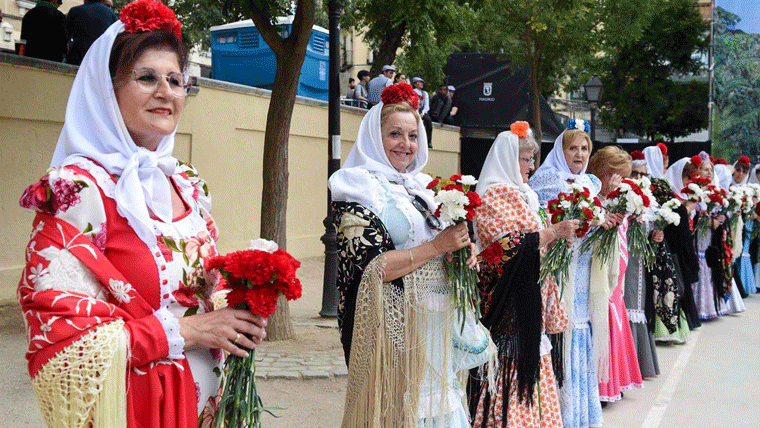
[[115, 295]]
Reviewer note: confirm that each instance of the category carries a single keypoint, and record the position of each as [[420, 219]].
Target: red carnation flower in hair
[[637, 155], [696, 160], [720, 162], [520, 128], [743, 159], [397, 93], [142, 16], [712, 160], [663, 148]]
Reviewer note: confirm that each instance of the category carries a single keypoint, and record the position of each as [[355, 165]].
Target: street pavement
[[713, 380]]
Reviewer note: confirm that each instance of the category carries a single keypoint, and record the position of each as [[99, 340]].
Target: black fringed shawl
[[662, 280], [355, 252], [511, 307]]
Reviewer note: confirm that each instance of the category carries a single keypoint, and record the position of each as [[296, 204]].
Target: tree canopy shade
[[736, 89], [651, 86], [556, 39]]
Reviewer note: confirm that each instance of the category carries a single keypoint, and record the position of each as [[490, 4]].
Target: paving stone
[[290, 375], [341, 371], [315, 374]]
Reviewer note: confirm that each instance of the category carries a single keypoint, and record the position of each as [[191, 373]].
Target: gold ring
[[237, 337]]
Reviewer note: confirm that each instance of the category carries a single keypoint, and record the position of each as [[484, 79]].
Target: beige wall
[[221, 133]]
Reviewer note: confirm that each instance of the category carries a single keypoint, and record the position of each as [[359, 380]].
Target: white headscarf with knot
[[675, 176], [368, 153], [653, 156], [94, 129], [723, 176], [556, 160], [502, 165]]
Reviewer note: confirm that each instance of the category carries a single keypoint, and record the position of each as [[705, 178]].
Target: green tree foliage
[[649, 85], [557, 39], [736, 127], [388, 25]]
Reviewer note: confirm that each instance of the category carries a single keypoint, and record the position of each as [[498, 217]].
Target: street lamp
[[329, 290], [593, 90]]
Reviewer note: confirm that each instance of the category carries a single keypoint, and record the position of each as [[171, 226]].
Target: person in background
[[44, 29], [418, 84], [579, 396], [360, 92], [376, 86], [744, 264], [440, 102], [84, 24], [638, 296], [351, 92], [610, 164], [400, 77]]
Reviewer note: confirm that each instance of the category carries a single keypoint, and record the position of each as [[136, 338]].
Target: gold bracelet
[[411, 257]]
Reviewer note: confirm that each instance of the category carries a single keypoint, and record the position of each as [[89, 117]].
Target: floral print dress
[[83, 259], [505, 217]]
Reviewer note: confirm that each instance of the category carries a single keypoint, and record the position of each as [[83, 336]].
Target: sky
[[748, 11]]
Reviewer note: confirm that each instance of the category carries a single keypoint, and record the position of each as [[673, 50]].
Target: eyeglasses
[[420, 205], [530, 161], [148, 79], [636, 174]]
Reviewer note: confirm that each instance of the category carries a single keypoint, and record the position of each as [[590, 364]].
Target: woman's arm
[[562, 230], [401, 262]]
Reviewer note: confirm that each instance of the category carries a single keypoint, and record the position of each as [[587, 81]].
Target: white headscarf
[[675, 176], [753, 175], [368, 153], [502, 165], [746, 177], [94, 129], [653, 156], [723, 176], [556, 160]]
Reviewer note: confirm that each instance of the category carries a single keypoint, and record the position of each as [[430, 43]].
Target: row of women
[[561, 349]]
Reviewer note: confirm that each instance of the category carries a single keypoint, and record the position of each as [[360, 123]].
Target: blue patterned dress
[[579, 397], [745, 262]]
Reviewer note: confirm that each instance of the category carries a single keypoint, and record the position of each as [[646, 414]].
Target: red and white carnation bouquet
[[632, 197], [576, 205], [456, 204], [717, 201], [256, 278]]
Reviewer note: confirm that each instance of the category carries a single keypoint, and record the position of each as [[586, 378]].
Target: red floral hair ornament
[[400, 92], [743, 159], [520, 128], [720, 162], [696, 161], [637, 155], [712, 160], [663, 148], [142, 16]]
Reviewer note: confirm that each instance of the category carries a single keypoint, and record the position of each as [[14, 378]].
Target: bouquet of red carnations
[[717, 201], [257, 277], [576, 205], [457, 203], [632, 197]]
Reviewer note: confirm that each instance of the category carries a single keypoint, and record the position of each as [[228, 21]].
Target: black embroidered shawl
[[355, 251], [511, 307]]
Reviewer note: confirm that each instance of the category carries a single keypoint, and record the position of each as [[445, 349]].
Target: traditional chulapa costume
[[525, 393], [401, 339], [109, 271], [579, 395]]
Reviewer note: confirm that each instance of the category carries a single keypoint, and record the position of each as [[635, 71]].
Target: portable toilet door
[[240, 55]]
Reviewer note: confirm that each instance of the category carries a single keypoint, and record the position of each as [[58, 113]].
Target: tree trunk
[[386, 54], [535, 99], [290, 54]]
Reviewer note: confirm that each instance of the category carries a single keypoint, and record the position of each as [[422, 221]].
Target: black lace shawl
[[511, 307], [354, 254]]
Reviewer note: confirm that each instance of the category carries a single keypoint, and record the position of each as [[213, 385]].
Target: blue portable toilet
[[240, 55]]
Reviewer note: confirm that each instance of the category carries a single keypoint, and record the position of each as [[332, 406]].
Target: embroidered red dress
[[87, 272]]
